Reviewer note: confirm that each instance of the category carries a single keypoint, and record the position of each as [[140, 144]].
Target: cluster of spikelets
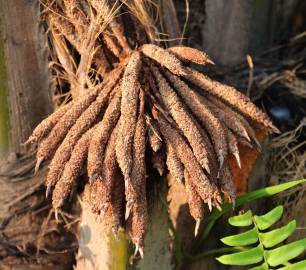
[[150, 111]]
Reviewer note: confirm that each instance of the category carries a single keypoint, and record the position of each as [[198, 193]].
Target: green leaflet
[[251, 256], [251, 196], [285, 253], [261, 267], [264, 239], [241, 239], [266, 221], [273, 238], [296, 266], [241, 220]]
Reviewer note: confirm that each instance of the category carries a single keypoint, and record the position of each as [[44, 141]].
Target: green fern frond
[[260, 244]]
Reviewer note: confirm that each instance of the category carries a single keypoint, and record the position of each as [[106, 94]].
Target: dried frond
[[164, 58], [175, 166], [130, 89], [230, 95], [188, 54], [183, 119]]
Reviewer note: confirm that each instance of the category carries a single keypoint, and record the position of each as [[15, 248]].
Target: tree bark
[[226, 30], [23, 208]]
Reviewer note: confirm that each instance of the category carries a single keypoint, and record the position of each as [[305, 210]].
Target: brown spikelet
[[138, 222], [73, 169], [104, 183], [111, 45], [47, 124], [154, 134], [183, 119], [100, 137], [86, 120], [175, 166], [210, 122], [48, 146], [113, 213], [129, 102], [64, 27], [233, 146], [164, 58], [139, 214], [196, 206], [230, 95], [231, 119], [206, 189], [138, 174], [188, 54], [227, 184], [76, 15]]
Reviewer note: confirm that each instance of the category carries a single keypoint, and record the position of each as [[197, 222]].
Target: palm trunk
[[24, 102]]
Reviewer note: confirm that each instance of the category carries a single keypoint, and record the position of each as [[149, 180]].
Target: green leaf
[[296, 266], [272, 238], [285, 253], [251, 256], [241, 239], [241, 220], [251, 196], [267, 220], [261, 267]]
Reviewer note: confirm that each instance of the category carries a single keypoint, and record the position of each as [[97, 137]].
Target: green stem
[[214, 252], [4, 130]]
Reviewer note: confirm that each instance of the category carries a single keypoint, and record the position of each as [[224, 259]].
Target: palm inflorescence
[[136, 105]]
